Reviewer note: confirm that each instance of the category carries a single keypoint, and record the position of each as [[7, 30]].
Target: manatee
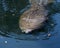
[[34, 17]]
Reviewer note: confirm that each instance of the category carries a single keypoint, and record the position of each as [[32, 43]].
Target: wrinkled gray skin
[[34, 17]]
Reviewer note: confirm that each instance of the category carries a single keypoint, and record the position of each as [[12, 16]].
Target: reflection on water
[[9, 16]]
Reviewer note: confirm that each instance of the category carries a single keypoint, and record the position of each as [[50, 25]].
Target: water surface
[[11, 36]]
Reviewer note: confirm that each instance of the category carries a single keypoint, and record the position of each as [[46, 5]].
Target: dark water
[[11, 36]]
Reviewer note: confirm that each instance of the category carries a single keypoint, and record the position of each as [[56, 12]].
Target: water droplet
[[13, 14], [5, 41], [52, 24], [49, 35]]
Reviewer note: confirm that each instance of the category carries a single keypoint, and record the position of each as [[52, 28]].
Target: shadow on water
[[9, 16]]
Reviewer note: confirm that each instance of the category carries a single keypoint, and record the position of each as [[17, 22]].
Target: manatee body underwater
[[34, 17]]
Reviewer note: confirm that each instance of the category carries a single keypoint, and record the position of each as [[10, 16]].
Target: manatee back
[[40, 2]]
